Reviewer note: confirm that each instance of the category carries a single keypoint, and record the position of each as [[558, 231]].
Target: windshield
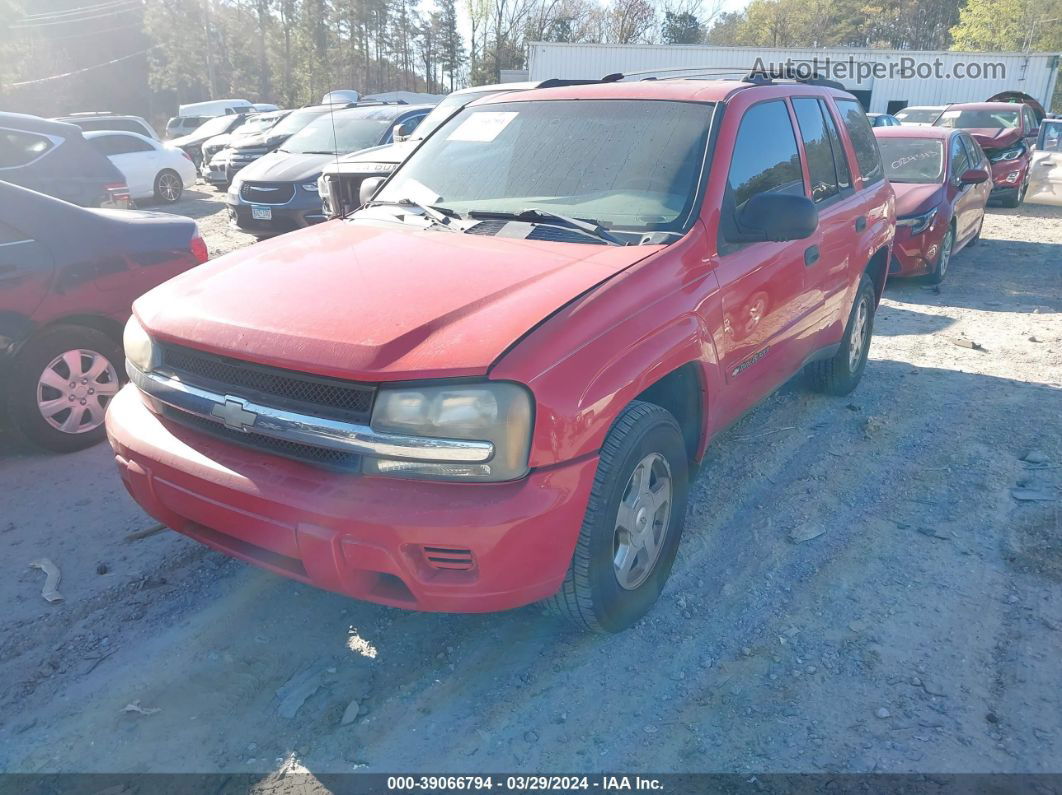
[[625, 164], [445, 110], [257, 124], [216, 126], [984, 119], [294, 122], [918, 115], [338, 134], [912, 159]]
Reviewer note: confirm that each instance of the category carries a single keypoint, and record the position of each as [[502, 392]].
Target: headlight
[[1006, 154], [310, 186], [140, 350], [499, 413], [918, 223]]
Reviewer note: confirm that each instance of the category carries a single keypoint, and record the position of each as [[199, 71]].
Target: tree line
[[148, 55]]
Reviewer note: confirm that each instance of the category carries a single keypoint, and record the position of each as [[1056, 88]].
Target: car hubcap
[[945, 251], [168, 187], [857, 340], [641, 522], [74, 390]]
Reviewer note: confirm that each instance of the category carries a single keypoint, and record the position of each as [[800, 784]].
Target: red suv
[[1006, 132], [490, 385]]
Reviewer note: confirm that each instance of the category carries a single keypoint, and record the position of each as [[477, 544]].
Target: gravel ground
[[920, 631]]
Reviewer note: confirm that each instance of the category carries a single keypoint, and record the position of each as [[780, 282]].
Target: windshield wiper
[[534, 215], [442, 216]]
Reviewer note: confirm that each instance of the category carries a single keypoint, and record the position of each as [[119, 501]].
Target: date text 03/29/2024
[[523, 783]]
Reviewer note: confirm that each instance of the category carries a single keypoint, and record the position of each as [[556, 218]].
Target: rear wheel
[[840, 374], [632, 526], [63, 380], [168, 186]]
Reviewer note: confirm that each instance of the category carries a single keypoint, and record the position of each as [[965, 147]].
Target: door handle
[[861, 223], [811, 255]]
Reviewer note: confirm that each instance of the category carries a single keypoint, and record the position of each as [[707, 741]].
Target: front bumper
[[915, 255], [451, 547], [1008, 176], [302, 210]]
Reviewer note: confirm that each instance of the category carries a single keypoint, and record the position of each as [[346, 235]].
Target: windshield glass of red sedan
[[984, 119], [912, 159], [626, 164]]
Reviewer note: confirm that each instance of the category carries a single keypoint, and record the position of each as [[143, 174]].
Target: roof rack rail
[[756, 76]]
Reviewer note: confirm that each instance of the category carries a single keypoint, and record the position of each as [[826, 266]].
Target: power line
[[89, 9], [50, 38], [104, 14], [79, 71]]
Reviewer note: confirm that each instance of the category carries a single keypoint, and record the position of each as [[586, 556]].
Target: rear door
[[964, 200], [25, 273], [827, 265], [762, 284], [135, 158]]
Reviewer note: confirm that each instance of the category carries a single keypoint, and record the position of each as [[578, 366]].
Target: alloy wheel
[[642, 521], [857, 340], [74, 390], [169, 187]]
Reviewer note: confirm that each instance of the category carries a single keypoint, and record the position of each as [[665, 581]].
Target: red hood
[[377, 302], [915, 198], [995, 139]]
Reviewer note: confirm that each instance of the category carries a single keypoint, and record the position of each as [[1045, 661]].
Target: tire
[[644, 438], [1017, 198], [52, 351], [168, 186], [940, 267], [840, 374]]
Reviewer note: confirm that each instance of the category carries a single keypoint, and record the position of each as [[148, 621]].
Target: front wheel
[[940, 267], [632, 526], [840, 374], [168, 186]]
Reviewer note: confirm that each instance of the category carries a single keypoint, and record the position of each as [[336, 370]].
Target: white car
[[1045, 173], [152, 169]]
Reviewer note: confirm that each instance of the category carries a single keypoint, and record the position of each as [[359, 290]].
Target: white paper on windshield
[[419, 192], [482, 126], [950, 114]]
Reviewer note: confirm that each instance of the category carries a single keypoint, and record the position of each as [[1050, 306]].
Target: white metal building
[[983, 74]]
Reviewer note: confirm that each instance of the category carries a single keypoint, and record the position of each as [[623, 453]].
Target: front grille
[[267, 192], [344, 192], [272, 386], [307, 453]]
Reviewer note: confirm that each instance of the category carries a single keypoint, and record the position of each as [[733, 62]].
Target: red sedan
[[941, 180]]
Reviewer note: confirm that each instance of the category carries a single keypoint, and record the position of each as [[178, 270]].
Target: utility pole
[[209, 49]]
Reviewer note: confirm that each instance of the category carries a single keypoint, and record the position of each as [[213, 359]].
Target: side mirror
[[777, 217], [404, 130], [368, 189], [973, 176]]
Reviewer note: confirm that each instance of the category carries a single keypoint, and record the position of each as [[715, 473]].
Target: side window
[[765, 156], [127, 144], [8, 234], [18, 148], [840, 158], [863, 142], [959, 162], [1030, 119], [817, 147], [1050, 137], [974, 153]]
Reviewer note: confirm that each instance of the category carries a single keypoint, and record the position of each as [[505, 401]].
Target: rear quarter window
[[863, 142], [19, 148]]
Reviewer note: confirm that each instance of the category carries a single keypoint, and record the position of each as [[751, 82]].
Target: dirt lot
[[921, 631]]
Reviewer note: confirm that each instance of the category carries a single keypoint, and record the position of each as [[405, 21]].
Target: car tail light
[[117, 192], [449, 558], [198, 248]]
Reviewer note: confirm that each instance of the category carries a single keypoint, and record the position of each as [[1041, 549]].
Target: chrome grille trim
[[306, 429]]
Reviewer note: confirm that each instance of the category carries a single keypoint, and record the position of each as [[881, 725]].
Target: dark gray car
[[53, 157], [278, 192]]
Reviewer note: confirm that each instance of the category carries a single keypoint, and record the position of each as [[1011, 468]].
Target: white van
[[215, 107]]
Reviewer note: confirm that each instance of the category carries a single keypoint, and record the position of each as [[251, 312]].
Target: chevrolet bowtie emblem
[[234, 414]]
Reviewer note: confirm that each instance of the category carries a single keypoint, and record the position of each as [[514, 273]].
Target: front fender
[[588, 362]]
